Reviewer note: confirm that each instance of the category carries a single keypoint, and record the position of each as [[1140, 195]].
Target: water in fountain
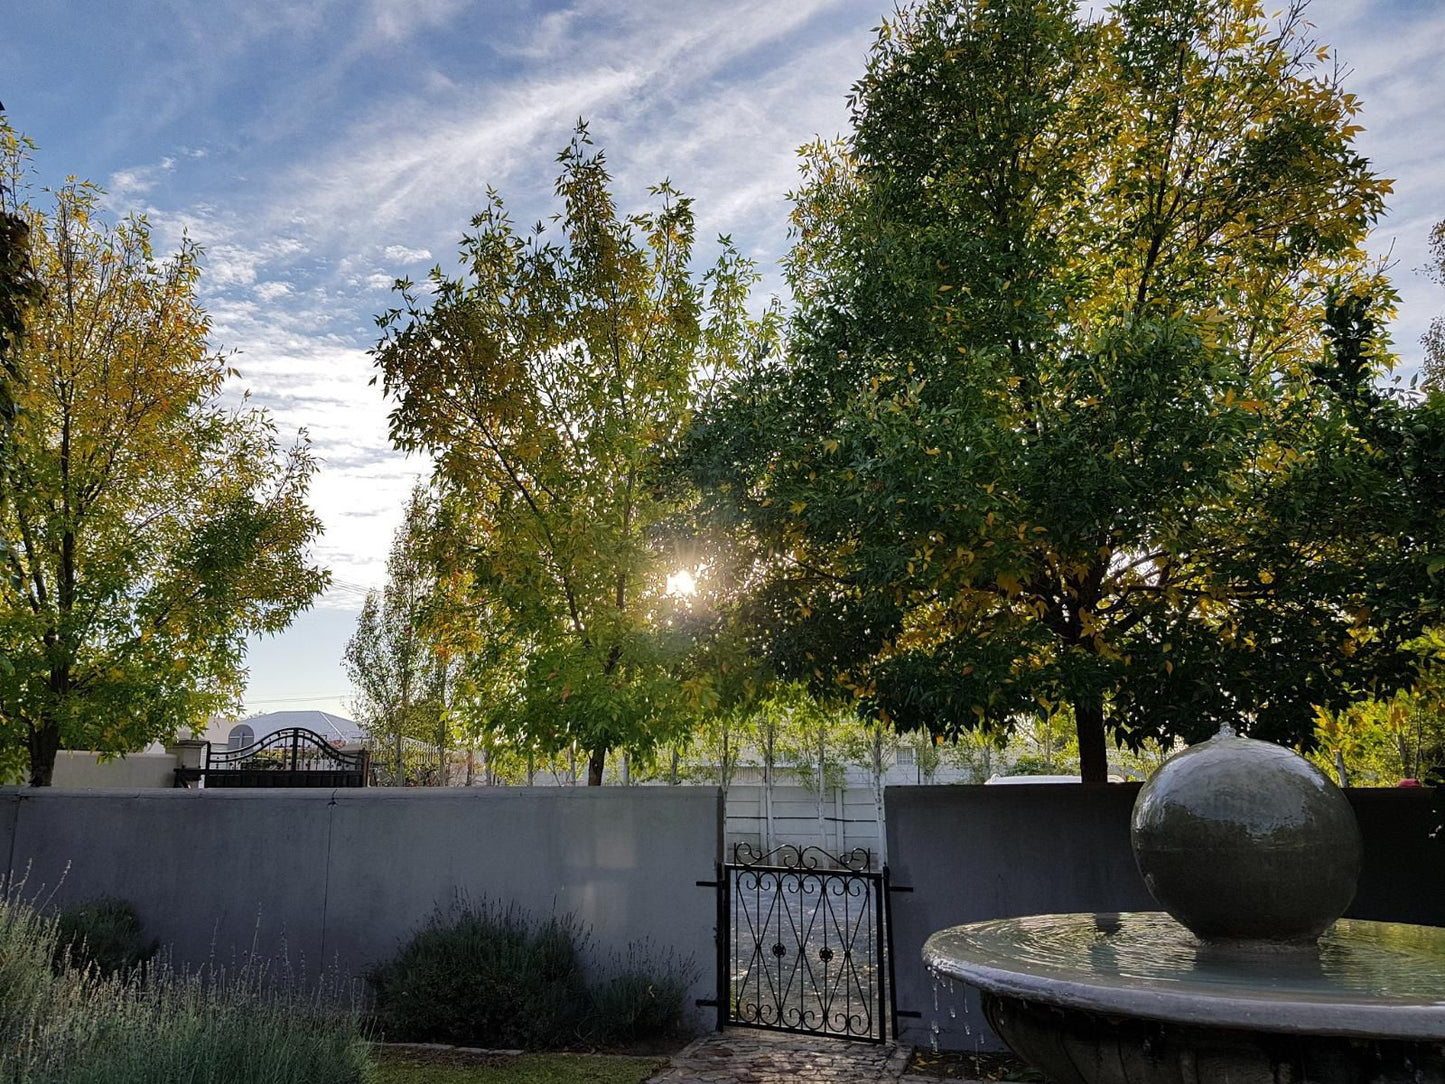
[[1256, 853]]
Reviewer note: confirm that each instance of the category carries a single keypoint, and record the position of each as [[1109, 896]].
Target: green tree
[[19, 288], [1069, 416], [148, 529], [546, 381], [1380, 741], [1433, 367], [399, 669]]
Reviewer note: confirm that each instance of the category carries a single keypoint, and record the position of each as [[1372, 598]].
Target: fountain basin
[[1135, 997]]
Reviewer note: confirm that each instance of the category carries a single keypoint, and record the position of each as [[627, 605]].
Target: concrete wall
[[75, 769], [972, 852], [344, 877]]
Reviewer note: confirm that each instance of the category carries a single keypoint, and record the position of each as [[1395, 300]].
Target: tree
[[1380, 741], [874, 746], [716, 747], [546, 381], [19, 288], [1433, 367], [809, 739], [148, 529], [1069, 416], [396, 665]]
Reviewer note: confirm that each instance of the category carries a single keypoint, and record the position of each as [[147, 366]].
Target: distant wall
[[850, 817], [974, 852], [343, 877], [75, 769]]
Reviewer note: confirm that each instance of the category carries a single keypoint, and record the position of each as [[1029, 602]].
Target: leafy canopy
[[148, 528], [546, 380], [1077, 408]]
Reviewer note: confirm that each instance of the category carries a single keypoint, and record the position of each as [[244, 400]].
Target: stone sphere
[[1244, 840]]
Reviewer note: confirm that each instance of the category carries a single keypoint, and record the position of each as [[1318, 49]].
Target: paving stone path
[[744, 1056]]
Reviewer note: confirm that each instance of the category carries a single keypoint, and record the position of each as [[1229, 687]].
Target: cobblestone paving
[[744, 1056]]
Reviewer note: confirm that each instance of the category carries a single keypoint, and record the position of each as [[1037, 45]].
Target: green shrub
[[72, 1025], [104, 933], [640, 999], [222, 1036], [484, 975]]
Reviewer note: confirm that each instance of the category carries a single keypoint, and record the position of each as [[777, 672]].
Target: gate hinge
[[718, 884], [909, 1013], [900, 888], [706, 1002]]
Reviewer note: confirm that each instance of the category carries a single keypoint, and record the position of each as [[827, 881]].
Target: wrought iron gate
[[803, 943]]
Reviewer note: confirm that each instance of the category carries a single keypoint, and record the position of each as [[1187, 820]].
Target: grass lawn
[[408, 1067]]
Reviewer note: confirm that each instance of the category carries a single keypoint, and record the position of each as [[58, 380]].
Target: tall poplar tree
[[547, 381]]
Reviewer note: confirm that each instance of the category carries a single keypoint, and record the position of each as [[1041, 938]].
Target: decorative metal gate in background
[[803, 943], [291, 757]]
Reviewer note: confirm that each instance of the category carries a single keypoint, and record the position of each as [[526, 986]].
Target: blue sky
[[320, 148]]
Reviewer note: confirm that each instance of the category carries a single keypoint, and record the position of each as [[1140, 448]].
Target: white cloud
[[1398, 76], [126, 186], [291, 272], [270, 291]]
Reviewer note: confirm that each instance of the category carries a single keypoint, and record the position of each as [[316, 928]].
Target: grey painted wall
[[973, 852], [343, 877]]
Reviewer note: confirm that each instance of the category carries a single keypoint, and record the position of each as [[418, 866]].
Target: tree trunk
[[822, 785], [724, 775], [595, 763], [878, 769], [44, 740], [1093, 753], [44, 743]]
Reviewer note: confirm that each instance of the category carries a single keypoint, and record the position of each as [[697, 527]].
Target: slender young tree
[[397, 668]]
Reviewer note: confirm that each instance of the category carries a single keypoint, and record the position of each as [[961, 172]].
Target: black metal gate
[[803, 943], [290, 757]]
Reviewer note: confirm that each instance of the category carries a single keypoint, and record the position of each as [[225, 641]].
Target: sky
[[319, 149]]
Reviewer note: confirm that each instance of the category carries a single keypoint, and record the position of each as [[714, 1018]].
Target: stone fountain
[[1251, 976]]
